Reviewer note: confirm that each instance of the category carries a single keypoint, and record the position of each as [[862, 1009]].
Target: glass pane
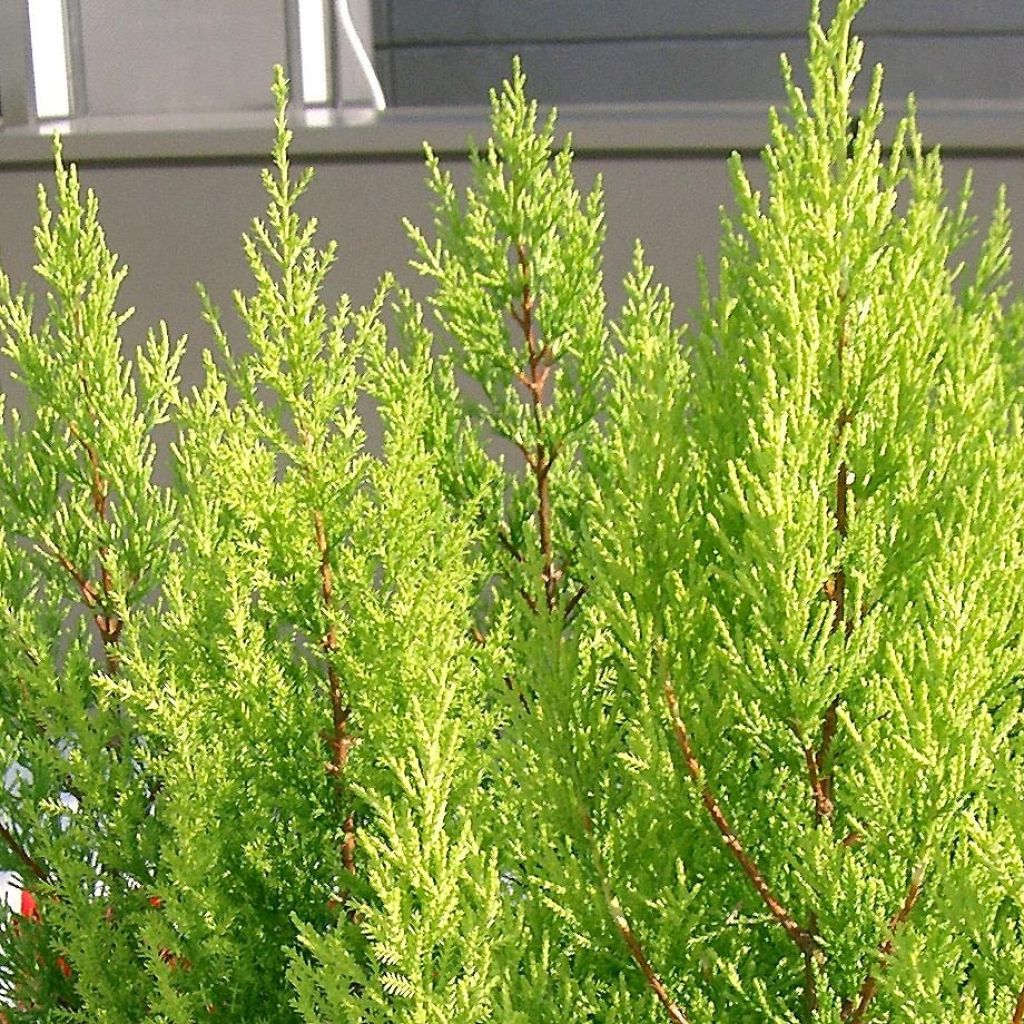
[[316, 90], [49, 58], [155, 56]]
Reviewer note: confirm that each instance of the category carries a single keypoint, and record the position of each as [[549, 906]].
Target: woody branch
[[339, 741], [14, 845], [108, 623], [636, 950], [540, 459], [95, 596], [855, 1013], [817, 759], [541, 456], [803, 939]]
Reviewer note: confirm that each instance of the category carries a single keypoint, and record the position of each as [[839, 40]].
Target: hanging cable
[[344, 16]]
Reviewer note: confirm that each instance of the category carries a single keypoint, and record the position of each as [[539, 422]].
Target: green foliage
[[863, 516], [84, 539], [629, 676], [519, 293]]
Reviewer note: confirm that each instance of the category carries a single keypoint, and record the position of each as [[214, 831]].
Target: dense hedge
[[634, 676]]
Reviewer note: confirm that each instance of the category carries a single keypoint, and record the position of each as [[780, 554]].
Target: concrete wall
[[178, 224], [438, 52]]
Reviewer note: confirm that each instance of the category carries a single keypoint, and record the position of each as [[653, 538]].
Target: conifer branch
[[822, 780], [340, 741], [530, 600], [855, 1014], [506, 543], [85, 586], [512, 687], [108, 624], [618, 914], [803, 939], [19, 851], [835, 590], [1018, 1013], [97, 485], [540, 360], [819, 785], [550, 575], [812, 956]]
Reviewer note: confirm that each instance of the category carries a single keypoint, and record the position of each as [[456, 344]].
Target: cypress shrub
[[635, 675]]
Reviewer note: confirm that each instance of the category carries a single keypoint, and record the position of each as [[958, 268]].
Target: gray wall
[[178, 224], [439, 52]]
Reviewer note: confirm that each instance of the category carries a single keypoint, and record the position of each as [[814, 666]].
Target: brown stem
[[1018, 1013], [506, 542], [19, 851], [855, 1014], [842, 495], [575, 600], [835, 590], [672, 1009], [550, 573], [85, 586], [534, 379], [340, 742], [803, 939], [820, 786], [98, 486], [511, 686], [829, 724], [108, 624], [820, 777], [811, 958], [526, 452], [814, 760], [348, 844], [516, 554], [636, 950]]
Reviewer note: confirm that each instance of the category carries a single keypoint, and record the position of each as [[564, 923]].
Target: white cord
[[344, 16]]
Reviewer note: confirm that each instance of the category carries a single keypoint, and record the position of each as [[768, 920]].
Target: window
[[139, 58]]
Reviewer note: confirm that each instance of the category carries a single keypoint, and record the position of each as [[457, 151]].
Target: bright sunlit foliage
[[632, 676]]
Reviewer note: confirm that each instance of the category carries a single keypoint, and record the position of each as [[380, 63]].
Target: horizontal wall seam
[[639, 130], [794, 37]]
